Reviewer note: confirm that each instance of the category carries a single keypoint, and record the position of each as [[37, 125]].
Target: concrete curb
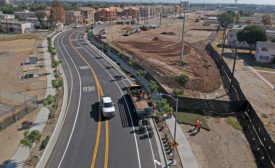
[[53, 139]]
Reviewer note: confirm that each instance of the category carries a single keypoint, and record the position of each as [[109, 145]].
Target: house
[[265, 52], [73, 17], [211, 20], [177, 9], [14, 26], [87, 14], [232, 37]]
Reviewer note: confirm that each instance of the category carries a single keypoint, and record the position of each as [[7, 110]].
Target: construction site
[[157, 49]]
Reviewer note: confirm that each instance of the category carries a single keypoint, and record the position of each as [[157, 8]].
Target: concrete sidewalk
[[22, 153], [187, 157]]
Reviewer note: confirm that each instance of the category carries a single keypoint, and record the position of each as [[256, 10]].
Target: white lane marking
[[157, 162], [86, 89], [133, 128], [65, 115], [83, 67], [78, 105], [127, 78]]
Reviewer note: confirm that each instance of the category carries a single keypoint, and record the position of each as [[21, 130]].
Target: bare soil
[[159, 53], [14, 50], [223, 146], [260, 95]]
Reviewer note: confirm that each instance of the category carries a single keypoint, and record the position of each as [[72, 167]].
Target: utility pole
[[183, 3]]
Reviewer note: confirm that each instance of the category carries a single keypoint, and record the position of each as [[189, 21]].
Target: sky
[[265, 2]]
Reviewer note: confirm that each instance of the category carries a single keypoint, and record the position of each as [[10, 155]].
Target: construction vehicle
[[141, 101]]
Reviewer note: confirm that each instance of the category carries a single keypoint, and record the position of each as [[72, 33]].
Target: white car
[[107, 106]]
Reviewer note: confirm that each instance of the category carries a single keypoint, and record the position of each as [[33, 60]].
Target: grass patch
[[234, 123], [270, 69], [189, 119]]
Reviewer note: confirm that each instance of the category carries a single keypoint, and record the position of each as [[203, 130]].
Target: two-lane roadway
[[87, 139]]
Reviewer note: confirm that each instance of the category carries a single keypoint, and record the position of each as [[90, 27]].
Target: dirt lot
[[259, 94], [223, 146], [15, 49], [159, 54]]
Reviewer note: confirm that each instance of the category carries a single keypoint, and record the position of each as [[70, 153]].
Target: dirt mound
[[163, 56], [156, 39]]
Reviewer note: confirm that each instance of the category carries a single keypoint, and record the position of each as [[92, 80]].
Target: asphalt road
[[87, 139]]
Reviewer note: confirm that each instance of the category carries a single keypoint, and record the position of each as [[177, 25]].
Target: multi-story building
[[177, 9], [73, 17], [106, 14], [23, 15], [131, 12], [4, 1], [6, 16], [265, 52], [87, 14], [13, 26]]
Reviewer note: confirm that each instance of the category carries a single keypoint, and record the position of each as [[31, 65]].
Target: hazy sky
[[266, 2]]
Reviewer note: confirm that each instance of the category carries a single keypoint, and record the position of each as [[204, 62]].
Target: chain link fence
[[14, 106]]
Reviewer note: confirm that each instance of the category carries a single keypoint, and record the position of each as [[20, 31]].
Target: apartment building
[[87, 14], [73, 17], [106, 14], [131, 12], [14, 26], [265, 52]]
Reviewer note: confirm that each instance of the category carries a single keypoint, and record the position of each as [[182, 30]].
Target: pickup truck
[[141, 101]]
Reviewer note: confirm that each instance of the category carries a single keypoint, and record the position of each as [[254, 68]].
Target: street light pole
[[182, 35]]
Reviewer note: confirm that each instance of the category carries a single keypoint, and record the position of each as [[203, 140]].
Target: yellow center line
[[100, 93]]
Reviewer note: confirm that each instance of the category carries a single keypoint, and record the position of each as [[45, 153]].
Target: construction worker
[[198, 125]]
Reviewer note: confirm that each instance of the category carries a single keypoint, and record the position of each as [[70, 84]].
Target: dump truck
[[141, 101]]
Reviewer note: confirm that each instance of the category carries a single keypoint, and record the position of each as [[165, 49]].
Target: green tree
[[226, 18], [8, 9], [41, 16], [251, 35], [153, 87], [267, 19]]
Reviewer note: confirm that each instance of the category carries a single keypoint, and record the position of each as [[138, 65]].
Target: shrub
[[44, 143], [30, 138], [55, 63], [120, 55], [49, 101], [153, 86], [57, 83], [182, 79], [131, 62], [141, 73]]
